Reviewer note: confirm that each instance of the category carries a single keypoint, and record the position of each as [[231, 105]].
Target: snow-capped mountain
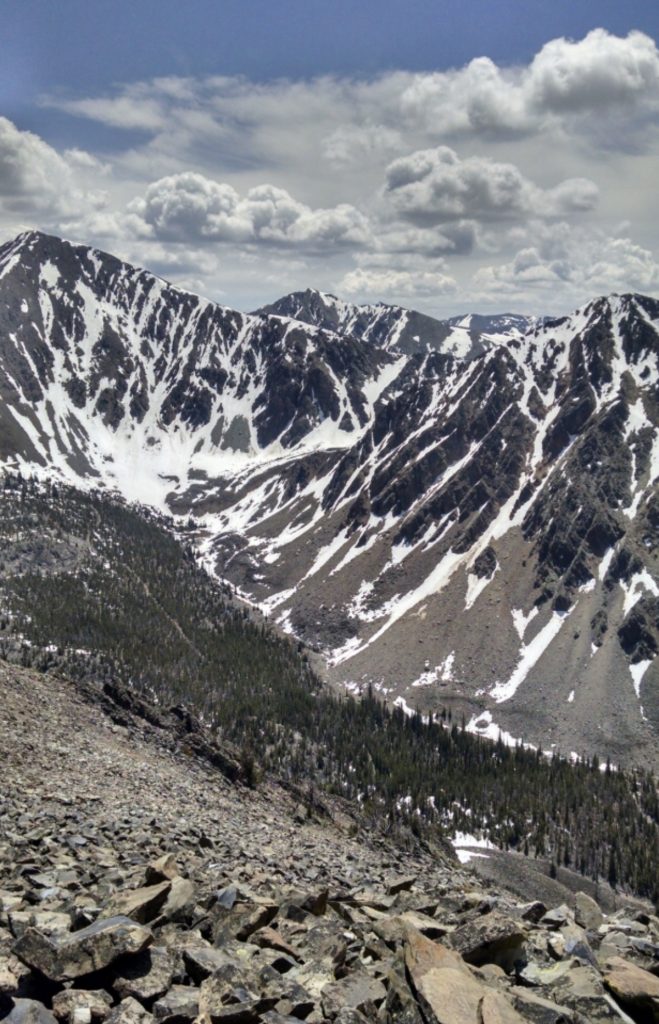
[[396, 329], [474, 530]]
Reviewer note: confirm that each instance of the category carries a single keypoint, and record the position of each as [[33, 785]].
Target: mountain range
[[458, 514]]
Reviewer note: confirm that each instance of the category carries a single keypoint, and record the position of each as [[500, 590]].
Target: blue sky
[[445, 155]]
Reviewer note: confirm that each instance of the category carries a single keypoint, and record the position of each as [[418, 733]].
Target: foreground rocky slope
[[400, 510], [138, 884]]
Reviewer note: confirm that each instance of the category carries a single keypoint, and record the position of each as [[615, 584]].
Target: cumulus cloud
[[566, 77], [31, 172], [363, 121], [519, 171], [374, 282], [41, 185], [596, 72], [574, 265], [190, 207], [434, 186]]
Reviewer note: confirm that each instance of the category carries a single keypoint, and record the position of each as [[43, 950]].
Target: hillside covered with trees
[[93, 589]]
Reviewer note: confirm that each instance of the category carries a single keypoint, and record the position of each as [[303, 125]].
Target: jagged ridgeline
[[401, 493], [95, 589]]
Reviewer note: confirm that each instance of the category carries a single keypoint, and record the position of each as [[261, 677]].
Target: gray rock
[[141, 905], [493, 939], [146, 976], [97, 1001], [357, 991], [557, 917], [163, 869], [79, 953], [200, 962], [129, 1011], [587, 913], [179, 1005], [29, 1011]]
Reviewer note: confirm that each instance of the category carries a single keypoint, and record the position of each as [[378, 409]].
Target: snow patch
[[637, 672], [521, 620], [464, 845], [634, 589], [483, 725], [529, 655], [475, 587]]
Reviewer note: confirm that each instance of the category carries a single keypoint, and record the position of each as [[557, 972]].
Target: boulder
[[129, 1011], [587, 913], [163, 869], [97, 1001], [493, 938], [180, 900], [179, 1005], [29, 1011], [73, 955], [140, 904], [357, 991], [146, 976], [635, 988], [495, 1009]]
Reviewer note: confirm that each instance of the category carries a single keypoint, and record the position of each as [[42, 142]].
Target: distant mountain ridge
[[470, 525], [394, 328]]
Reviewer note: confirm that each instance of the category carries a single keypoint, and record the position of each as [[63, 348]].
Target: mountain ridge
[[396, 328], [401, 512]]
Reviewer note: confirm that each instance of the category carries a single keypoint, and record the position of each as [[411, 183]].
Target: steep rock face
[[478, 532], [103, 366]]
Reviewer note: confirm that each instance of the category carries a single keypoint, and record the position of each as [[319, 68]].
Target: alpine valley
[[457, 514]]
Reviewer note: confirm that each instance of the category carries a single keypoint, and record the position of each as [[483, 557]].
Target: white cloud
[[190, 207], [594, 73], [40, 185], [221, 122], [567, 265], [32, 174], [519, 177], [372, 283], [434, 186]]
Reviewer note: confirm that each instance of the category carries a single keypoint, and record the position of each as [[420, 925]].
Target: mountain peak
[[429, 484]]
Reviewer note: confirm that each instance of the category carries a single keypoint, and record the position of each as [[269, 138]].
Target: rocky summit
[[139, 883], [462, 515]]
